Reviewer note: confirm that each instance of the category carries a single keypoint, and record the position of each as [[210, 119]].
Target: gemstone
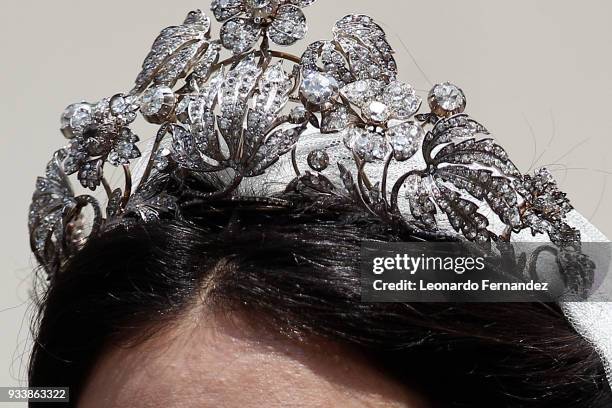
[[239, 34], [405, 139], [258, 4], [377, 112], [367, 145], [157, 104], [413, 185], [318, 160], [152, 101], [318, 88], [302, 3], [196, 110], [402, 100], [335, 120], [365, 45], [447, 99], [288, 26], [124, 148], [379, 148], [162, 159], [182, 109], [361, 144], [274, 87], [260, 10], [75, 119], [224, 9], [90, 174], [350, 135], [298, 114], [360, 92], [118, 105]]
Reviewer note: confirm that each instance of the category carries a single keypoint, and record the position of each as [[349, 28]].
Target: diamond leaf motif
[[202, 69], [484, 152], [497, 192], [365, 44], [447, 129], [277, 144], [225, 9], [235, 92], [317, 183], [563, 235], [325, 56], [52, 202], [258, 125], [349, 182], [207, 138], [288, 26], [174, 50], [178, 65], [271, 96], [578, 270], [114, 203], [152, 200], [421, 206], [239, 34], [186, 150], [546, 207], [463, 215], [273, 90], [207, 97]]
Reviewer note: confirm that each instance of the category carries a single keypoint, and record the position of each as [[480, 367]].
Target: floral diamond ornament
[[546, 207], [383, 120], [245, 21], [235, 117]]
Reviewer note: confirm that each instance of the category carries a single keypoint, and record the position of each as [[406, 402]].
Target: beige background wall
[[536, 72]]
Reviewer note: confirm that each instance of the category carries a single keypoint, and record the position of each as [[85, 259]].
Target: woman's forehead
[[215, 363]]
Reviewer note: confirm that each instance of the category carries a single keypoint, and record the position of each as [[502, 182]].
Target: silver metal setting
[[242, 111]]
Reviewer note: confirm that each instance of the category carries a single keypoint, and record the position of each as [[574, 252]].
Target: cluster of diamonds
[[236, 106]]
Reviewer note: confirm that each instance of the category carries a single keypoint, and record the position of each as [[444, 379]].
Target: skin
[[208, 361]]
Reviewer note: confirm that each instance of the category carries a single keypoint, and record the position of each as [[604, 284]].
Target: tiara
[[337, 117]]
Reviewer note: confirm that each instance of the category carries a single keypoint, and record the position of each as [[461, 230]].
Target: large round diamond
[[318, 88], [75, 119], [157, 103], [447, 98], [377, 112]]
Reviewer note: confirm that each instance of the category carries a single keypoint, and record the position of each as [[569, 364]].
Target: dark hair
[[300, 270]]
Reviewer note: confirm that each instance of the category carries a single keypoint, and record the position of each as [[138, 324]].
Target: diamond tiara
[[236, 108]]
